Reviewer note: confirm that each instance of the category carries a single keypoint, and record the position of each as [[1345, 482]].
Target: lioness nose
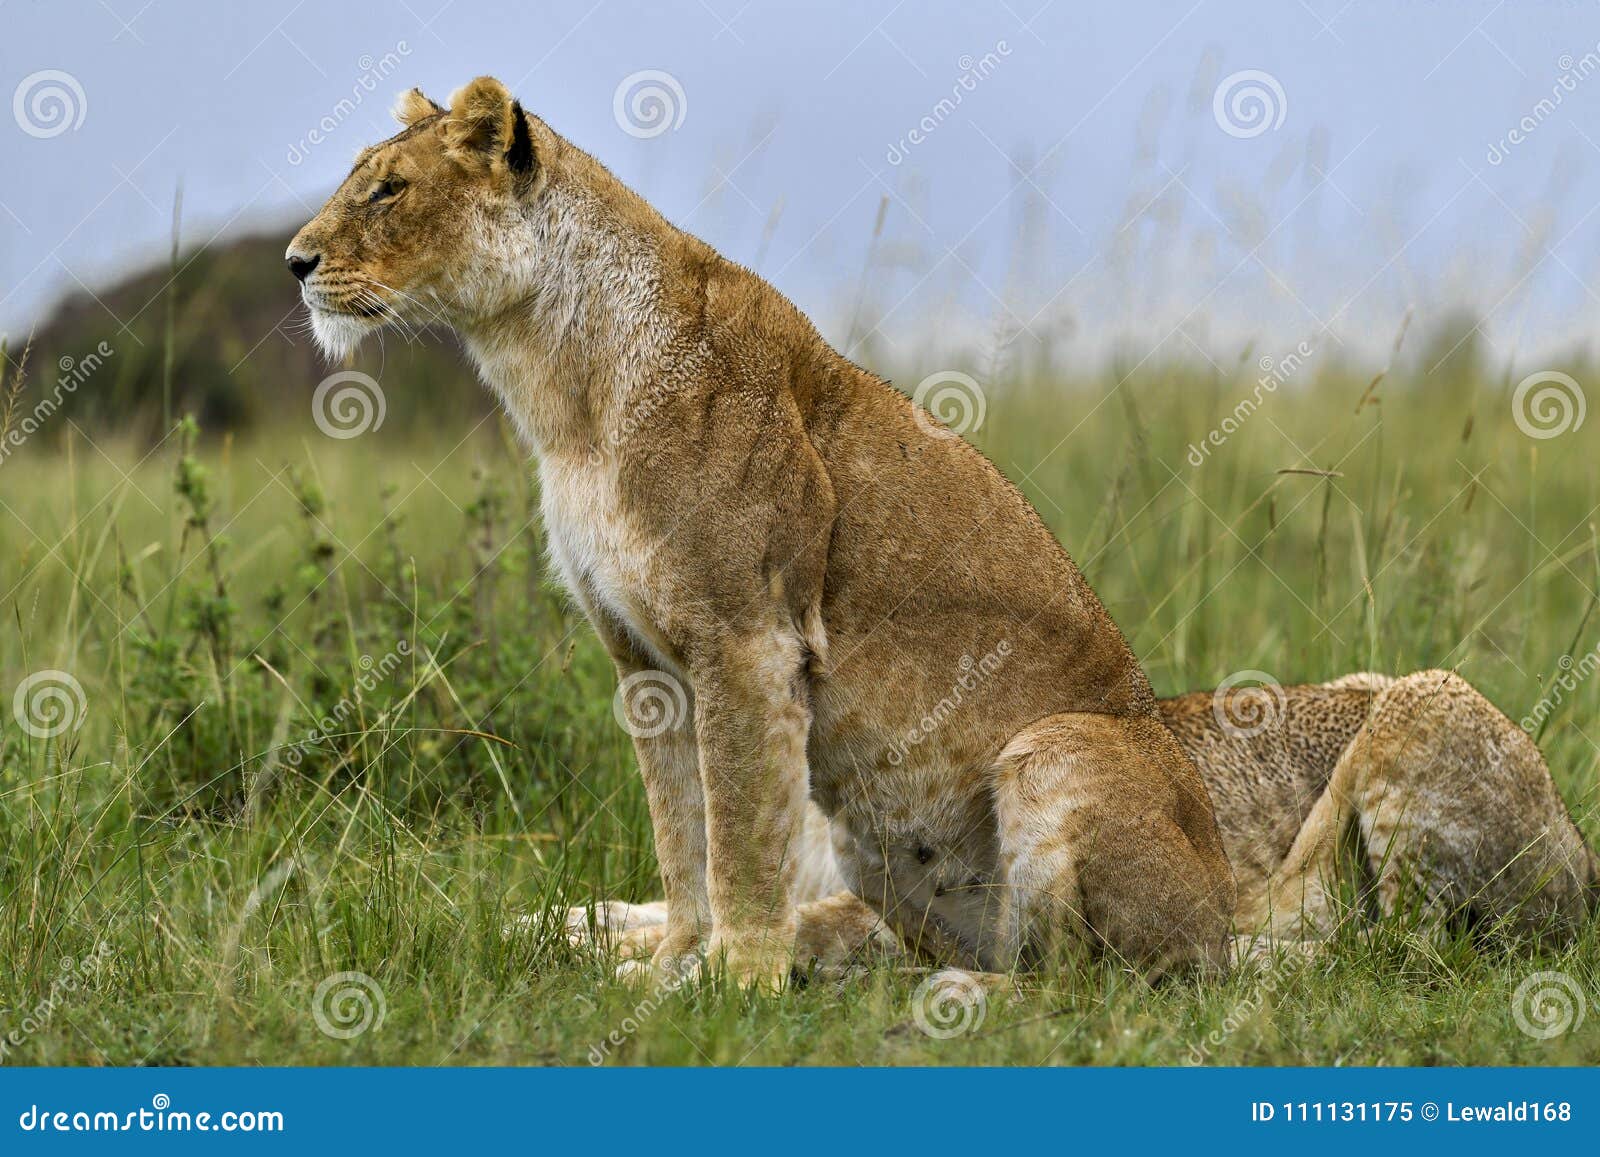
[[301, 265]]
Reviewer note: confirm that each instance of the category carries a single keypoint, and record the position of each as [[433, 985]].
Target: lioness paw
[[762, 962]]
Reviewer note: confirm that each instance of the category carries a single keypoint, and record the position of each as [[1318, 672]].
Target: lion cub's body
[[735, 504], [1444, 806]]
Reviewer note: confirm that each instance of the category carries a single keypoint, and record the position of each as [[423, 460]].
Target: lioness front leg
[[751, 718], [669, 763], [661, 721]]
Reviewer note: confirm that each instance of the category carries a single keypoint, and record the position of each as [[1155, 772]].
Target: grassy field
[[318, 710]]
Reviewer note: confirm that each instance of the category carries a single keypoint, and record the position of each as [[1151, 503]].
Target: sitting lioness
[[1447, 806], [813, 560]]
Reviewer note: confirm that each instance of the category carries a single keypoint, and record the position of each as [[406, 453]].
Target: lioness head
[[409, 234]]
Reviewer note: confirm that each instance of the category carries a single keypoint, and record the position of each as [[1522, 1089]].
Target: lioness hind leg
[[1107, 840], [1456, 809]]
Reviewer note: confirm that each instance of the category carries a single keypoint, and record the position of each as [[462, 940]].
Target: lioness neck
[[573, 316]]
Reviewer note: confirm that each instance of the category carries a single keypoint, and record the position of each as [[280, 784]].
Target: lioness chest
[[601, 554]]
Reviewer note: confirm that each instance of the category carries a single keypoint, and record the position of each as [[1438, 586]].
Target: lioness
[[1454, 815], [816, 561]]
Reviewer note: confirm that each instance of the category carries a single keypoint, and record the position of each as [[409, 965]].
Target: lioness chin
[[816, 562]]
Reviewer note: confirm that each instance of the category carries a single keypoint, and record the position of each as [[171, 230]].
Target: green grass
[[216, 601]]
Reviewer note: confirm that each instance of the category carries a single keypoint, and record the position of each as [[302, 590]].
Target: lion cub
[[817, 563]]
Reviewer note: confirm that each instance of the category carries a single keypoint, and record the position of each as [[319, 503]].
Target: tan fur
[[412, 107], [1088, 811], [735, 504], [1455, 814]]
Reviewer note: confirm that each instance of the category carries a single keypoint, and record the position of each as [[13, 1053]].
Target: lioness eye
[[385, 189]]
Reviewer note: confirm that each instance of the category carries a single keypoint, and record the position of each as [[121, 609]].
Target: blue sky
[[1384, 177]]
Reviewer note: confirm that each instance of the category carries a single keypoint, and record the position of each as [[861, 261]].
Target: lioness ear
[[487, 124], [519, 157], [480, 117], [412, 107]]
